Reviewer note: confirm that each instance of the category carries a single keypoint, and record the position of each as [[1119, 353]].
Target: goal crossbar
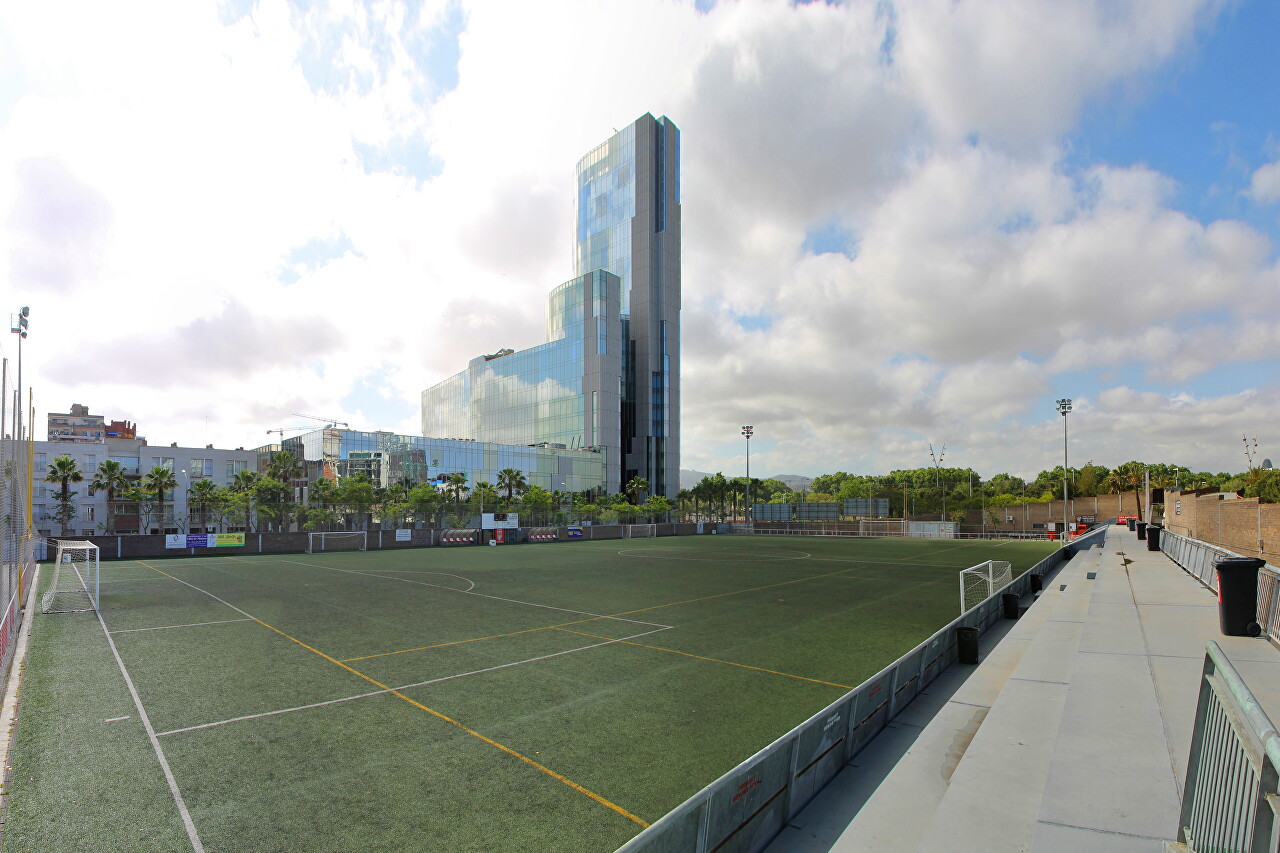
[[980, 582], [74, 588], [336, 540]]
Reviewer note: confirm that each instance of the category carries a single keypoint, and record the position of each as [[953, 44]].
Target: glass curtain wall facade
[[628, 222], [385, 458], [563, 395]]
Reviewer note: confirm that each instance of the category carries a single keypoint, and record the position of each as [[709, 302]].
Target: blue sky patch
[[401, 156], [1209, 123], [754, 322], [366, 398], [314, 254], [830, 237]]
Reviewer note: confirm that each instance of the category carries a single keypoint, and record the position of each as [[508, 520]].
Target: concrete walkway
[[1072, 733]]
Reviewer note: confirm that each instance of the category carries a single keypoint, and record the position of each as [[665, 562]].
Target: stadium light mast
[[747, 432], [1064, 406], [937, 476], [18, 325]]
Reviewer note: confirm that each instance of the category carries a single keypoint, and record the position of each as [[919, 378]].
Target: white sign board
[[499, 521], [404, 535]]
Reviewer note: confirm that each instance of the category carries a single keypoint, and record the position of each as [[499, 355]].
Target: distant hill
[[689, 478]]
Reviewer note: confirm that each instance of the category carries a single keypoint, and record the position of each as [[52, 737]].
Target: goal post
[[74, 588], [980, 582], [336, 540], [882, 527], [640, 531]]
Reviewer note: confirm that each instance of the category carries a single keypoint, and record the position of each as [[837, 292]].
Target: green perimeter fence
[[747, 807]]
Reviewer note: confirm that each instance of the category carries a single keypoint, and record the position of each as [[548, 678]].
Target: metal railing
[[1229, 800], [747, 807], [1195, 557]]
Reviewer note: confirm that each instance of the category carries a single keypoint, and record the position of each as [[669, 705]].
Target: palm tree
[[637, 487], [157, 481], [456, 485], [241, 490], [110, 477], [1125, 477], [513, 481], [486, 494], [202, 495], [64, 471], [286, 468]]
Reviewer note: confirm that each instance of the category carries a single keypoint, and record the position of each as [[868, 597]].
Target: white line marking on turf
[[657, 554], [406, 686], [189, 625], [192, 834], [118, 720], [482, 595]]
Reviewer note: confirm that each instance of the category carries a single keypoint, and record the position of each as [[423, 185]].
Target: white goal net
[[74, 588], [345, 540], [640, 531], [982, 581], [882, 527]]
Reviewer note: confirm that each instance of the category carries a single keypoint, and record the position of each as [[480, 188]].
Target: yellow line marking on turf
[[508, 750], [734, 592], [713, 660], [472, 640]]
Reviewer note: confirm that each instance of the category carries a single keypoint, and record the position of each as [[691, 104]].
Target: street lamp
[[1064, 406], [18, 325], [747, 432]]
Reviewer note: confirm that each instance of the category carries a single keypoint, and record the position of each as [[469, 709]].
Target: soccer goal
[[982, 581], [74, 588], [639, 531], [882, 527], [336, 540]]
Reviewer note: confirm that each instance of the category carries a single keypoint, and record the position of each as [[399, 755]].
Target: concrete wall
[[1025, 516]]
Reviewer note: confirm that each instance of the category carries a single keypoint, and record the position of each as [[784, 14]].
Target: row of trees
[[265, 501], [953, 491]]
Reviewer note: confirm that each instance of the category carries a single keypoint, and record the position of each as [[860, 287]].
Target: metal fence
[[1231, 786], [19, 550], [1195, 557], [860, 529], [746, 808]]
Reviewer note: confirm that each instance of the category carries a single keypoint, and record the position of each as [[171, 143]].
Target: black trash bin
[[967, 644], [1153, 537], [1009, 605], [1133, 524], [1238, 596], [1142, 530]]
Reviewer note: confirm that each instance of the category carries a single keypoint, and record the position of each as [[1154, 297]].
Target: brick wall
[[1243, 525]]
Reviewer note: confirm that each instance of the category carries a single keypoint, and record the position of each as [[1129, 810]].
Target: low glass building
[[387, 458], [562, 395]]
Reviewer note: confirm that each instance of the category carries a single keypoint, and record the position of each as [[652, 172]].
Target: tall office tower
[[628, 222]]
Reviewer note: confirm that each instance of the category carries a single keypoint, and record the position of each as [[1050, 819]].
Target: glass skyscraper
[[607, 378], [628, 222]]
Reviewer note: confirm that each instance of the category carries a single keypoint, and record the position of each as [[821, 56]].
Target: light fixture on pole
[[747, 432], [1064, 406], [18, 325]]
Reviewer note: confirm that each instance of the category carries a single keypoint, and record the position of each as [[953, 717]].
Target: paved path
[[1072, 734]]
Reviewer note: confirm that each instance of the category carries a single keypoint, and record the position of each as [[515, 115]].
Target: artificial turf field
[[526, 698]]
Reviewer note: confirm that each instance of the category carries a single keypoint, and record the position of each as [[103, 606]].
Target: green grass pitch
[[555, 697]]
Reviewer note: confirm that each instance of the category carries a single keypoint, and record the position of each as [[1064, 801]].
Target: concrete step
[[994, 796]]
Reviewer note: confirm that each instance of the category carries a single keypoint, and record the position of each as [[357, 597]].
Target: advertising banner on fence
[[404, 535], [203, 540], [575, 532]]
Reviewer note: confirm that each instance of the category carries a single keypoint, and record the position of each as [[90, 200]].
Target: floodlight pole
[[19, 327], [747, 432], [1064, 406]]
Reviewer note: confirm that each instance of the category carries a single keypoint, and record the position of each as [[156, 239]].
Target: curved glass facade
[[559, 393]]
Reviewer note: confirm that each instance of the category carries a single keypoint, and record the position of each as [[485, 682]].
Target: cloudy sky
[[904, 222]]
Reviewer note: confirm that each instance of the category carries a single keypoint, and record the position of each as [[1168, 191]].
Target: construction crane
[[283, 430], [328, 422]]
